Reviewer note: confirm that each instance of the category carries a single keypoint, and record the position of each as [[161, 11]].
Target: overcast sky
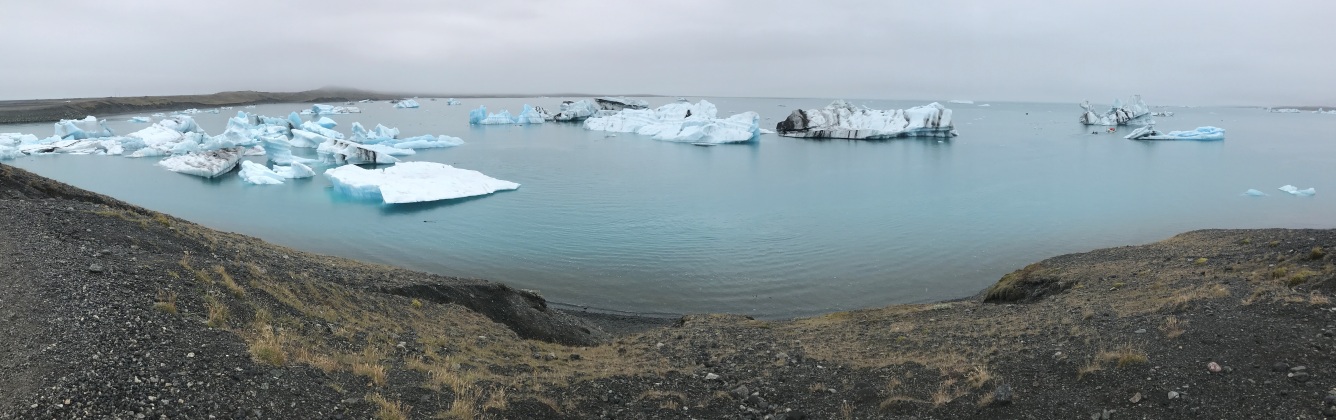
[[1172, 52]]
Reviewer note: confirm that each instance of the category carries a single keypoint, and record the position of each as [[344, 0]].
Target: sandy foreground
[[110, 310]]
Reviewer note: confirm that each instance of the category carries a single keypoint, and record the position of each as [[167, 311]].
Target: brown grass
[[217, 312], [1173, 327], [166, 302], [1126, 354], [267, 347], [228, 281], [1317, 253], [387, 409], [373, 371], [1180, 299]]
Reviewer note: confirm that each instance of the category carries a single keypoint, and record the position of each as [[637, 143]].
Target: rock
[[1300, 376], [1298, 369], [740, 392], [575, 356], [1173, 395], [95, 268], [711, 376], [1280, 367], [1330, 399], [1139, 331], [1213, 367], [1002, 395], [1136, 398]]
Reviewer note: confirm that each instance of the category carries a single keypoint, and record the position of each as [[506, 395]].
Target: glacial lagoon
[[777, 228]]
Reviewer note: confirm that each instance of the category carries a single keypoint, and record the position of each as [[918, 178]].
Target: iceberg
[[139, 119], [452, 101], [1254, 193], [89, 127], [208, 164], [1296, 191], [841, 120], [279, 149], [322, 109], [575, 111], [257, 174], [480, 116], [239, 132], [326, 122], [406, 103], [294, 120], [1117, 114], [960, 101], [188, 111], [9, 152], [412, 182], [1286, 110], [159, 114], [344, 151], [426, 142], [618, 103], [532, 115], [303, 138], [1149, 132], [294, 171], [681, 121], [316, 128]]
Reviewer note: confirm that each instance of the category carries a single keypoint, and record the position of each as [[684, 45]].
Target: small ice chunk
[[480, 116], [1296, 191], [1254, 193], [206, 164], [296, 170], [303, 138], [961, 101], [452, 101], [316, 128], [532, 115], [326, 122], [576, 110], [427, 142], [344, 151], [159, 115], [257, 174], [406, 103], [412, 182], [139, 119], [89, 127]]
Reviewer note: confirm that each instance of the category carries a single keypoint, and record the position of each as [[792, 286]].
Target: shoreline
[[111, 310]]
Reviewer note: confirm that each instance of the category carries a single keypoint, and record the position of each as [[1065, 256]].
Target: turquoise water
[[780, 228]]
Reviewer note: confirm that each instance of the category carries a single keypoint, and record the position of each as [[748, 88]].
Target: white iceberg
[[452, 101], [9, 152], [140, 119], [960, 101], [681, 121], [159, 114], [206, 164], [575, 110], [841, 120], [425, 142], [1254, 193], [316, 128], [618, 103], [254, 173], [322, 109], [412, 182], [188, 111], [1296, 191], [326, 122], [294, 171], [344, 151], [1286, 110], [1118, 114], [406, 103], [1149, 132], [89, 127], [480, 116]]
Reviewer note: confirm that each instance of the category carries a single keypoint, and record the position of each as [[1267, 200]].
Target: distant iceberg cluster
[[841, 120], [406, 103], [1136, 112], [1149, 132], [530, 115], [681, 122]]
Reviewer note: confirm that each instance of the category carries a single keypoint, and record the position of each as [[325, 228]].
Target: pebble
[[1139, 331], [1213, 367], [95, 268], [1002, 395], [1136, 398], [1280, 367], [1173, 395], [711, 376]]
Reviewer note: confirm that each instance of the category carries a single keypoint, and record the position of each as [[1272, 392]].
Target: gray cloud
[[1189, 52]]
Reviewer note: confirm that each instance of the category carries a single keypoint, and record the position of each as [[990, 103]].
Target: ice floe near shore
[[682, 122], [1135, 113], [1149, 132], [841, 120], [412, 182], [1296, 191]]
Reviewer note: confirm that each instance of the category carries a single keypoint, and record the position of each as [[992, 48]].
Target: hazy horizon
[[1184, 53]]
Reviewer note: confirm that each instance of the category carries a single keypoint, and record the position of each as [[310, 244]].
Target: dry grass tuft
[[228, 281], [1315, 298], [373, 371], [217, 312], [496, 400], [268, 346], [166, 302], [1299, 277], [1089, 368], [1173, 327], [1125, 355], [1182, 297], [1200, 261], [1317, 253], [389, 410], [978, 376]]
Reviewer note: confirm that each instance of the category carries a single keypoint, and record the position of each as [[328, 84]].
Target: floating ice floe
[[89, 127], [533, 115], [189, 111], [425, 142], [208, 164], [767, 131], [1149, 132], [326, 122], [985, 104], [530, 115], [322, 109], [618, 103], [1296, 191], [159, 115], [1254, 193], [576, 110], [452, 101], [294, 171], [139, 120], [412, 182], [1162, 114], [1135, 113], [680, 121], [841, 120], [1286, 110], [406, 103], [960, 101], [254, 173], [344, 151]]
